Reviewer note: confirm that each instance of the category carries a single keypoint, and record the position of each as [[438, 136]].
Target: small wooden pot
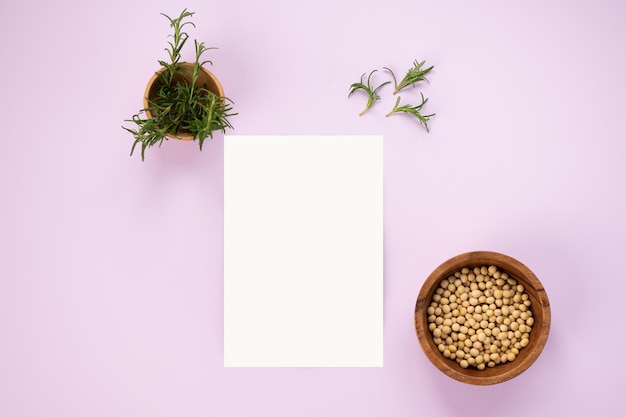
[[538, 336], [206, 79]]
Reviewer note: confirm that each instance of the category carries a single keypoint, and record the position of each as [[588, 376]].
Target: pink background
[[111, 272]]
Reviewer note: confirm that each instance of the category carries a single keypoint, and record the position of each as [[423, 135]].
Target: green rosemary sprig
[[212, 118], [176, 45], [179, 36], [414, 110], [413, 75], [148, 133], [372, 93]]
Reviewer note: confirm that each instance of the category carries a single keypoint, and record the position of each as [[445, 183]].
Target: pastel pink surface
[[111, 271]]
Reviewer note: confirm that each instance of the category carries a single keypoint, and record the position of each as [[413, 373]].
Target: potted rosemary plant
[[182, 100]]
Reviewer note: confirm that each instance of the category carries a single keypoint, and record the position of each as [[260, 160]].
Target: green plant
[[372, 92], [414, 110], [413, 75], [178, 103]]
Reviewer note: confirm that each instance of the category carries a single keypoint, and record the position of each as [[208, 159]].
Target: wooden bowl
[[540, 308], [206, 79]]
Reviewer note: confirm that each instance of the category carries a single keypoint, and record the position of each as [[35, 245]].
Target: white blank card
[[303, 251]]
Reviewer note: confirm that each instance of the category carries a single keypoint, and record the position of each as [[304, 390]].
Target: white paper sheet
[[303, 251]]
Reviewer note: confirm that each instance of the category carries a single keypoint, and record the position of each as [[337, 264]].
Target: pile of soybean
[[480, 317]]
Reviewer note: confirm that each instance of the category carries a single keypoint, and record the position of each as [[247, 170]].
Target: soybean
[[480, 317]]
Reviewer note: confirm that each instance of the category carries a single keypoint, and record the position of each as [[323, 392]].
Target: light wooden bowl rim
[[538, 336]]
